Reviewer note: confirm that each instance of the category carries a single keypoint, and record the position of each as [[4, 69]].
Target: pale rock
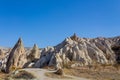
[[17, 56], [34, 54], [59, 61], [85, 51]]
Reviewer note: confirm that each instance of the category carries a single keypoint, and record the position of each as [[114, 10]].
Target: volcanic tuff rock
[[32, 57], [2, 54], [34, 54], [45, 57], [86, 51], [81, 51], [17, 56]]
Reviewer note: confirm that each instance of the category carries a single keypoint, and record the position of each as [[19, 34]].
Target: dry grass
[[20, 75], [3, 75], [24, 75], [59, 72], [109, 73], [53, 75], [14, 68]]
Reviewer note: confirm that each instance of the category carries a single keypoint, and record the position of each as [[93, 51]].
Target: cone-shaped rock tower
[[35, 54], [17, 57]]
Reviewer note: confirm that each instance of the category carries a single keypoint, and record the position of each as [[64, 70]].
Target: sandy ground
[[40, 74]]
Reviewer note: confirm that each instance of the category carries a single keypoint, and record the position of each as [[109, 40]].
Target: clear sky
[[48, 22]]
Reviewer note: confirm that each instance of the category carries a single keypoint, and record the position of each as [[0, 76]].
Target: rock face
[[85, 51], [17, 56], [45, 57], [2, 54], [32, 57]]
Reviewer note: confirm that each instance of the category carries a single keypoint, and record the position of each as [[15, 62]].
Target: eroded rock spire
[[17, 56], [35, 54]]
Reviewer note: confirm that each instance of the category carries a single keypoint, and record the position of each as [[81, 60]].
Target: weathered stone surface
[[59, 61], [34, 54], [17, 56], [2, 54], [86, 51], [81, 51], [45, 57]]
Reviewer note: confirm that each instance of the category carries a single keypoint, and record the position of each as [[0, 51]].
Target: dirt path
[[40, 74]]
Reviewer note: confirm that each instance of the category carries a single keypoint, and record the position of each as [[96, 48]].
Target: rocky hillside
[[84, 51], [81, 51]]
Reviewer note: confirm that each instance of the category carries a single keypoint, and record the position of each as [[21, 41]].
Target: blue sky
[[48, 22]]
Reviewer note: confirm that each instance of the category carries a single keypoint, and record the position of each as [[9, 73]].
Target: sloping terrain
[[84, 51]]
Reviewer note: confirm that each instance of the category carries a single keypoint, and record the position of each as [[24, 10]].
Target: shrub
[[23, 75], [59, 72]]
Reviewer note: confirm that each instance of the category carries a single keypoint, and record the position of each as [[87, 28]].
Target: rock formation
[[32, 57], [73, 51], [17, 57], [2, 54], [85, 51], [34, 54], [45, 57]]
